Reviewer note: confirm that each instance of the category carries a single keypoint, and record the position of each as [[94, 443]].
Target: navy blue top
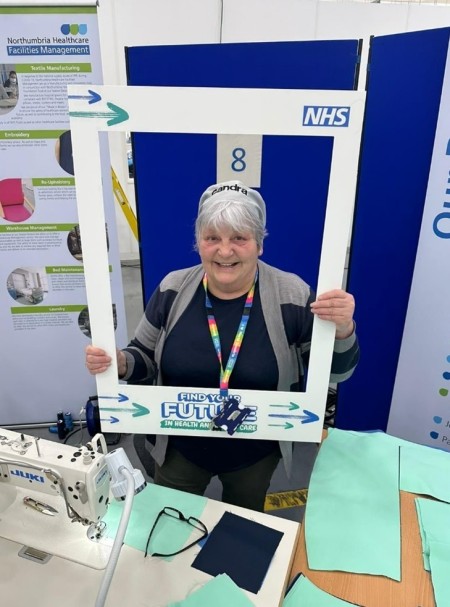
[[189, 359]]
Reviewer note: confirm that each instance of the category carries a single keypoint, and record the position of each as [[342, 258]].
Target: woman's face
[[229, 259]]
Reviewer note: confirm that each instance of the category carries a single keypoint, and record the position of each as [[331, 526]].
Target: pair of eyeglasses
[[174, 513]]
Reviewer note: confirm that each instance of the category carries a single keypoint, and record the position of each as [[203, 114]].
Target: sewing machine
[[45, 487], [75, 566]]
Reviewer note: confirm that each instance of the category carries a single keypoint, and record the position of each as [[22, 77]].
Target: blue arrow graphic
[[93, 97], [121, 398], [306, 419], [111, 420]]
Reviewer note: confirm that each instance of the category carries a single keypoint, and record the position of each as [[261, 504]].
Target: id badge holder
[[231, 416]]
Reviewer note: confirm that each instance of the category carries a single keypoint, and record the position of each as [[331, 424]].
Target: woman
[[11, 84], [175, 343], [3, 93]]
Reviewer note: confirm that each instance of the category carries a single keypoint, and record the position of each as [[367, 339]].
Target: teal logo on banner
[[322, 115], [74, 29], [196, 410], [437, 419]]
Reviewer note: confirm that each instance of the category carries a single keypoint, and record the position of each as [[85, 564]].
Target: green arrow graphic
[[286, 426], [116, 115], [291, 406], [136, 412]]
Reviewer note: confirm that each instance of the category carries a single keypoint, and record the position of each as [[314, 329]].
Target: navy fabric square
[[241, 548]]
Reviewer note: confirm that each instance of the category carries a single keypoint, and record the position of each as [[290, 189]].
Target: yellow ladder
[[124, 204]]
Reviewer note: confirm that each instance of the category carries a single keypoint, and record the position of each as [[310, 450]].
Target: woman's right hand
[[98, 361]]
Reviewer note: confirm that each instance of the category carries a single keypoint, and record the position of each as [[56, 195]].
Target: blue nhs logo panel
[[322, 115]]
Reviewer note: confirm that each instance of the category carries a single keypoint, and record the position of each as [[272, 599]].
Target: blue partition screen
[[171, 171], [404, 89]]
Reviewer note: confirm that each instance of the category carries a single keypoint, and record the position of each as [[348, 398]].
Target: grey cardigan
[[276, 288]]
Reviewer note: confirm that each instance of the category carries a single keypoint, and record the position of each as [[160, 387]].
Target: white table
[[138, 582]]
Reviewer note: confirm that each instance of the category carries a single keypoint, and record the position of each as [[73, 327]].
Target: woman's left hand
[[337, 306]]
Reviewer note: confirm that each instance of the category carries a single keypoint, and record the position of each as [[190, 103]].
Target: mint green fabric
[[352, 519], [439, 561], [425, 470], [170, 535], [306, 594], [221, 591], [434, 525], [422, 517]]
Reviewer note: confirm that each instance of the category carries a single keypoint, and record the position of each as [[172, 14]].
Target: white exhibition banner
[[187, 410], [44, 317], [420, 407]]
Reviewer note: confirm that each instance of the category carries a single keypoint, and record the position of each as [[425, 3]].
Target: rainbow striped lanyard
[[237, 343]]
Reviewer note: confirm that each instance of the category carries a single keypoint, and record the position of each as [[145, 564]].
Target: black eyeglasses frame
[[177, 514]]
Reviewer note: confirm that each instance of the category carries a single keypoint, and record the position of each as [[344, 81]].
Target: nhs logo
[[326, 115]]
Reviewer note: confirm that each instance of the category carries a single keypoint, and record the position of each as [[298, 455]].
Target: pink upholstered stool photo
[[14, 205]]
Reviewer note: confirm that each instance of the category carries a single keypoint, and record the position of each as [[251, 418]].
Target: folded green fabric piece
[[352, 519], [424, 470], [170, 535], [306, 594], [434, 525], [221, 591], [439, 561], [423, 537]]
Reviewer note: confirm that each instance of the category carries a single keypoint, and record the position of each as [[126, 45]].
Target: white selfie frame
[[187, 410]]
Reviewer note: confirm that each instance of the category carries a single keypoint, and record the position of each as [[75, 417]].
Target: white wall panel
[[421, 17], [338, 20], [268, 20]]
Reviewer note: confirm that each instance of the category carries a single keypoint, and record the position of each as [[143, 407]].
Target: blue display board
[[404, 89], [171, 171], [323, 64]]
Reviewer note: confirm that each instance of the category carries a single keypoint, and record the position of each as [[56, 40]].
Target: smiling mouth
[[226, 265]]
